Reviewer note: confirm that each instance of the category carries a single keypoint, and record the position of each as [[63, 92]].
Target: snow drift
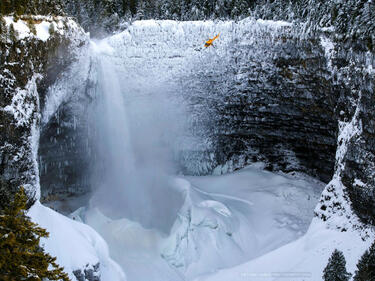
[[77, 246]]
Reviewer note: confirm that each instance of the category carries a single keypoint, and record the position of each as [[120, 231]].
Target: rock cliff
[[34, 49]]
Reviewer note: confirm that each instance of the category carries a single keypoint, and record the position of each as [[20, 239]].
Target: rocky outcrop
[[89, 273], [32, 48]]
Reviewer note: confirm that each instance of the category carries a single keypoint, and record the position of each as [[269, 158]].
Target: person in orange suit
[[211, 41]]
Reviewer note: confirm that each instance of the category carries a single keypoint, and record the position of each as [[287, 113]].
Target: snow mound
[[202, 233], [76, 246]]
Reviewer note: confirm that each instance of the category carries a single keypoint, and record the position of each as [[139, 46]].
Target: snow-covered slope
[[303, 259], [225, 220], [78, 248]]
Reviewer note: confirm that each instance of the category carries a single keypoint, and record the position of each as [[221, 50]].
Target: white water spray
[[132, 176]]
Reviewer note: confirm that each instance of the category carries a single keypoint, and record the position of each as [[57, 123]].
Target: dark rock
[[89, 273], [277, 106]]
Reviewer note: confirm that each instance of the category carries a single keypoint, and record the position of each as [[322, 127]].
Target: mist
[[137, 125]]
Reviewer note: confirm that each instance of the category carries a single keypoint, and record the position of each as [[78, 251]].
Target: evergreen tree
[[21, 256], [240, 9], [366, 266], [3, 29], [336, 268], [13, 34]]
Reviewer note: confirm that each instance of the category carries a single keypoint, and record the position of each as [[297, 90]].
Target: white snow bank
[[303, 259], [225, 221], [75, 244], [135, 248]]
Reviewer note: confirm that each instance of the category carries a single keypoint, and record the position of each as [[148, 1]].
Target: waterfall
[[131, 178]]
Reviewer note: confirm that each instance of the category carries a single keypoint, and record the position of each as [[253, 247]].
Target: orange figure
[[211, 41]]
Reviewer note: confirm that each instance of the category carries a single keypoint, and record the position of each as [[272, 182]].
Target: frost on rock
[[334, 206], [338, 207], [210, 81], [25, 103], [24, 113], [27, 45]]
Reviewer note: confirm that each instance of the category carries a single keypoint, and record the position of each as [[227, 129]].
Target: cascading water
[[112, 134], [131, 181]]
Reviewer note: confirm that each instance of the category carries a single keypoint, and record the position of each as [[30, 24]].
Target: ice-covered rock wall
[[65, 151], [265, 91], [352, 64], [260, 93], [32, 48]]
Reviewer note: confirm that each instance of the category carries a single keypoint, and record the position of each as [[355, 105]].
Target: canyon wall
[[34, 49]]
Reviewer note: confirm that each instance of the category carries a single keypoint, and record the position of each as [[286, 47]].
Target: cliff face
[[277, 105], [352, 187], [268, 91], [32, 48]]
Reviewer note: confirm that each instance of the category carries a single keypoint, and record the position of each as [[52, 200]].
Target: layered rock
[[278, 108]]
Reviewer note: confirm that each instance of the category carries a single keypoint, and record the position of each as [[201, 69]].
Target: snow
[[303, 259], [225, 220], [74, 244], [359, 183], [169, 49], [23, 104], [251, 224], [274, 23], [328, 47], [20, 27], [42, 26], [334, 205], [42, 30]]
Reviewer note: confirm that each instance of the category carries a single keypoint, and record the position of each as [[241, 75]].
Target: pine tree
[[3, 28], [240, 9], [336, 268], [366, 266], [21, 256], [13, 34]]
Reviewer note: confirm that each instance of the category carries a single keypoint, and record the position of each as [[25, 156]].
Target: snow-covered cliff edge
[[34, 50]]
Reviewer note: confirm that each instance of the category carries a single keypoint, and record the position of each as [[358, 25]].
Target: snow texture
[[335, 227], [225, 220], [44, 25], [303, 259], [76, 246]]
